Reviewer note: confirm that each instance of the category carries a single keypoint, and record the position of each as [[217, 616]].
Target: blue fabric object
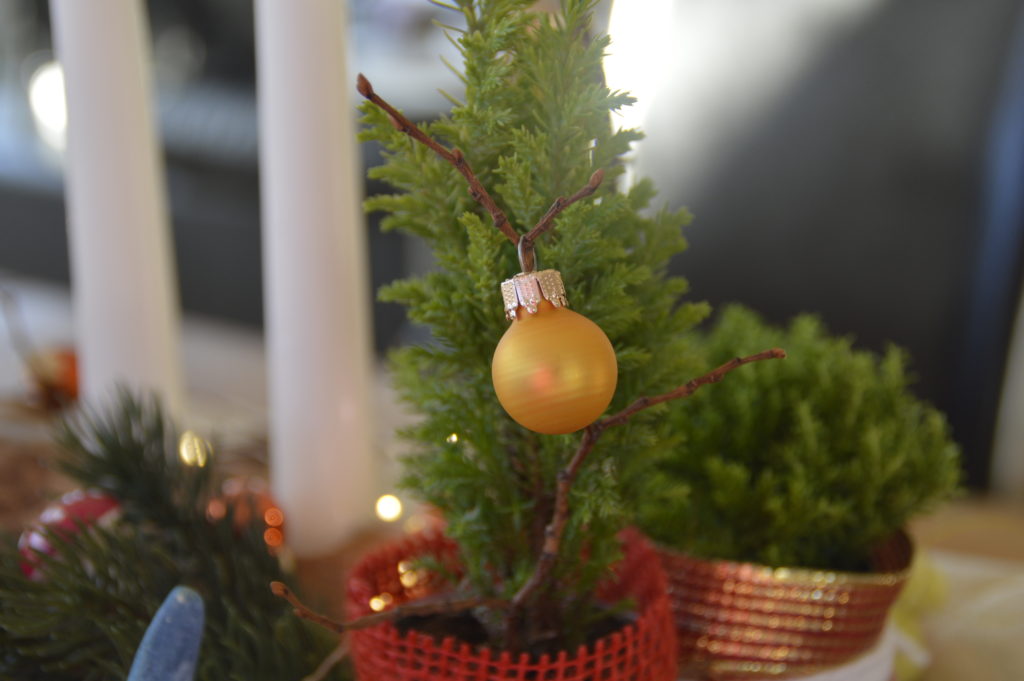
[[170, 648]]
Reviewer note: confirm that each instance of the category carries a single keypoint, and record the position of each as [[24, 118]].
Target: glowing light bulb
[[381, 601], [273, 537], [193, 450], [273, 516], [389, 508]]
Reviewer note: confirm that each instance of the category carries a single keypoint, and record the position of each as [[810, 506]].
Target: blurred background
[[859, 159]]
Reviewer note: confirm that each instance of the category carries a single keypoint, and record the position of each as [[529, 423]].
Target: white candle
[[126, 307], [315, 276]]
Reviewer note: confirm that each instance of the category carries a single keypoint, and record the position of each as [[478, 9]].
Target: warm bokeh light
[[389, 508], [408, 575], [452, 439], [274, 517], [381, 601], [48, 104], [415, 523], [216, 509], [193, 450], [273, 537]]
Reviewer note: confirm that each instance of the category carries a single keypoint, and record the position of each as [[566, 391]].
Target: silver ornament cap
[[528, 289]]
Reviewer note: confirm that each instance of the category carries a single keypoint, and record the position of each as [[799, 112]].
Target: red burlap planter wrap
[[742, 621], [641, 651]]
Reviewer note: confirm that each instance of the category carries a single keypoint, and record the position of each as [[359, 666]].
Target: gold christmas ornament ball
[[554, 371]]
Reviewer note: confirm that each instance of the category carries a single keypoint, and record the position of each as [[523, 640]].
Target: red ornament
[[75, 510]]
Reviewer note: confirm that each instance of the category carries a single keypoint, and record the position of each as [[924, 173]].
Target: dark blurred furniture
[[862, 197], [995, 287]]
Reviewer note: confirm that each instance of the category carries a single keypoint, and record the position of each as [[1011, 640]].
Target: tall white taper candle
[[315, 275], [124, 290]]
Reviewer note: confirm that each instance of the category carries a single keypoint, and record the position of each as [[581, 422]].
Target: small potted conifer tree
[[532, 573], [779, 511]]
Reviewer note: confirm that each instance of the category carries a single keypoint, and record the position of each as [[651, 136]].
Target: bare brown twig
[[689, 388], [560, 517], [476, 188], [561, 203], [281, 590], [526, 255], [433, 606], [454, 156], [328, 663]]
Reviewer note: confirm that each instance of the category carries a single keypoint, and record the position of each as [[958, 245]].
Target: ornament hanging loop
[[527, 255]]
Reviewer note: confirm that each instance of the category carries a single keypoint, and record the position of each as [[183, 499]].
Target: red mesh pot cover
[[742, 621], [642, 651]]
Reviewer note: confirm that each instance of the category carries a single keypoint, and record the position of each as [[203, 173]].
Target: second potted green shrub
[[779, 512]]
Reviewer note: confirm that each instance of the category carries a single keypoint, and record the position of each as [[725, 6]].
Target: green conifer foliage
[[536, 122], [809, 462], [85, 618]]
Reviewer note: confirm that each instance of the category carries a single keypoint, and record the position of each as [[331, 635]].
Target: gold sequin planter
[[742, 621]]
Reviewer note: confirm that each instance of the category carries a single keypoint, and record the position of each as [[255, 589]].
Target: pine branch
[[84, 620], [567, 476], [454, 156]]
